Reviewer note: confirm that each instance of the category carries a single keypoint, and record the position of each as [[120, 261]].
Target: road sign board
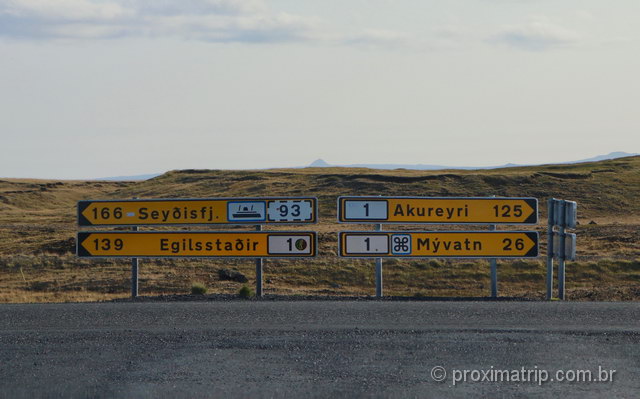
[[565, 213], [438, 210], [569, 246], [198, 211], [190, 244], [439, 244]]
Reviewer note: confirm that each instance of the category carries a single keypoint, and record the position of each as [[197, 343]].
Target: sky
[[99, 88]]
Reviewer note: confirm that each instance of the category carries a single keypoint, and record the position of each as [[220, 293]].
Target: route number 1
[[372, 210], [364, 244]]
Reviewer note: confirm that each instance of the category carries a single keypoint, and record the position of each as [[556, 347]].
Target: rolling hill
[[37, 230]]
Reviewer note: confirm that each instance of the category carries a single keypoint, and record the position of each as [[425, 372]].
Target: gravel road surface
[[319, 349]]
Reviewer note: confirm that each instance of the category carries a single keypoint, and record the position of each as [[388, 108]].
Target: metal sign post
[[561, 245], [550, 217], [494, 271], [494, 268], [378, 270], [561, 250], [134, 272], [259, 264]]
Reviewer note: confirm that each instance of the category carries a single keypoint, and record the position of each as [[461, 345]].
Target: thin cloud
[[247, 21], [536, 35], [379, 38]]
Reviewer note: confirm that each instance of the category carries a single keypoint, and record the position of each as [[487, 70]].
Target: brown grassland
[[38, 227]]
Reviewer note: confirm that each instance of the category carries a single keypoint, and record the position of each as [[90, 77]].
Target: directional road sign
[[439, 244], [189, 244], [197, 211], [438, 210]]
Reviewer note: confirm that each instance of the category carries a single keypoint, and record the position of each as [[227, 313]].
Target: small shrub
[[246, 292], [198, 289]]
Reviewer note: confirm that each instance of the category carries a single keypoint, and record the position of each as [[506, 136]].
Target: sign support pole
[[378, 227], [259, 264], [562, 235], [134, 273], [494, 271], [550, 218]]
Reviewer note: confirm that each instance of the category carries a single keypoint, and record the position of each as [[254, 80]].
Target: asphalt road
[[318, 349]]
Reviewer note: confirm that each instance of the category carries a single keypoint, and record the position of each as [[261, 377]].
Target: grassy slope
[[608, 188], [37, 229]]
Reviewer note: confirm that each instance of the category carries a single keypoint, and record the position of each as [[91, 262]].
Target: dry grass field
[[38, 226]]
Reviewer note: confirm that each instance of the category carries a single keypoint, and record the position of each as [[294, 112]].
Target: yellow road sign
[[190, 244], [439, 244], [197, 211], [437, 210]]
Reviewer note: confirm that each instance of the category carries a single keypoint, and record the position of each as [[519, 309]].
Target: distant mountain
[[319, 163], [612, 155]]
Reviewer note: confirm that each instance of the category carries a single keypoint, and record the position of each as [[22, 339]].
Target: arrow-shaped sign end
[[83, 213], [533, 239], [532, 216], [81, 250]]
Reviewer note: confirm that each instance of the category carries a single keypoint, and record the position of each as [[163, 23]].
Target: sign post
[[494, 271], [134, 272], [561, 250], [379, 292], [259, 264], [560, 244], [550, 251]]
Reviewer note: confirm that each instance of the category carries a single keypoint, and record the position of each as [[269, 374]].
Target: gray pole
[[494, 271], [550, 217], [259, 263], [134, 273], [378, 227], [561, 234]]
